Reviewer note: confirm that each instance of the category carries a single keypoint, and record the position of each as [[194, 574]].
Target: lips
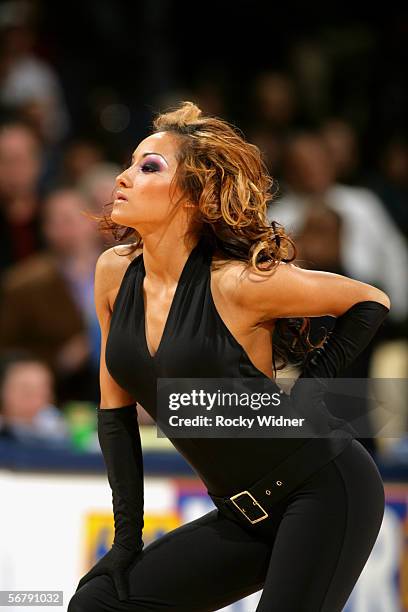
[[120, 197]]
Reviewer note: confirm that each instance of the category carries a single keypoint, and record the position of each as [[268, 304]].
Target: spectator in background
[[28, 83], [209, 93], [274, 95], [319, 248], [80, 156], [28, 414], [275, 111], [270, 143], [48, 304], [97, 183], [319, 242], [20, 169], [345, 230], [390, 181], [342, 143], [373, 249]]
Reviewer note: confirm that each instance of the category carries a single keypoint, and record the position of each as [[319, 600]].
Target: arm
[[360, 310], [365, 310], [119, 438], [290, 291], [293, 292]]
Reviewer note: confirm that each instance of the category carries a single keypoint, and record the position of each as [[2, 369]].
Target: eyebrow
[[150, 153]]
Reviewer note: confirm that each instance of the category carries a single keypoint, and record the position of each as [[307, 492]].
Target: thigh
[[325, 536], [366, 504], [203, 565]]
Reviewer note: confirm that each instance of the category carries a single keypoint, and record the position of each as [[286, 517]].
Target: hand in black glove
[[352, 332], [115, 564]]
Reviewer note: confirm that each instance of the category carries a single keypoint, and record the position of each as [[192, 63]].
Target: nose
[[123, 180]]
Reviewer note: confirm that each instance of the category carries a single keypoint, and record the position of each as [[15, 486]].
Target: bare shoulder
[[237, 279], [109, 271], [287, 290]]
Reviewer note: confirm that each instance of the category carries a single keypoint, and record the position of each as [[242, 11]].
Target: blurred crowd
[[347, 212]]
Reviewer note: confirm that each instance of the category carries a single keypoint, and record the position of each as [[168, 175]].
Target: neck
[[164, 257]]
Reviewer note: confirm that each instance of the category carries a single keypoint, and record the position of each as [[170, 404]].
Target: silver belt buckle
[[254, 502]]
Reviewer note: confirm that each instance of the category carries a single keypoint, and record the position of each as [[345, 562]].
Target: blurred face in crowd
[[80, 157], [65, 227], [394, 162], [146, 185], [269, 143], [96, 184], [275, 99], [341, 141], [320, 238], [308, 166], [20, 162], [27, 389], [17, 40]]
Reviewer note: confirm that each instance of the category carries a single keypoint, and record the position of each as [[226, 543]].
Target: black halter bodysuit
[[195, 344]]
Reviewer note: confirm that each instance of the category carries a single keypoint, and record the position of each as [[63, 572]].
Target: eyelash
[[152, 165]]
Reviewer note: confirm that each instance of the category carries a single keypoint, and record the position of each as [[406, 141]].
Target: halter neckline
[[174, 302]]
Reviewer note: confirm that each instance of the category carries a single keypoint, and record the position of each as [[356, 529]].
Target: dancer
[[198, 294]]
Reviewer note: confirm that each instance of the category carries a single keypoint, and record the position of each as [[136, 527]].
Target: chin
[[122, 219], [118, 216]]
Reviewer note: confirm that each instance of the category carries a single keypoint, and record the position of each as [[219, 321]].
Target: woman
[[201, 299]]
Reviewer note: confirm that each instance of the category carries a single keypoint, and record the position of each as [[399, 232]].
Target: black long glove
[[352, 332], [119, 438]]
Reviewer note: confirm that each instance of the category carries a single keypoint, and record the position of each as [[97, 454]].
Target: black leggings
[[306, 556]]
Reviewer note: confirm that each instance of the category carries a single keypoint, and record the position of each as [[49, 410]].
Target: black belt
[[254, 502]]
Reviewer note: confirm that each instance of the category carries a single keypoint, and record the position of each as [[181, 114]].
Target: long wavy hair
[[226, 179]]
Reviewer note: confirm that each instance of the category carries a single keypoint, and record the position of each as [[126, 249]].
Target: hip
[[351, 475]]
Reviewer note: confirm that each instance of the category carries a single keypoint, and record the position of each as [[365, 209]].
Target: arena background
[[323, 94]]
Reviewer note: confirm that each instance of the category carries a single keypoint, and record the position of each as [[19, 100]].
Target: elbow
[[381, 297], [387, 301]]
